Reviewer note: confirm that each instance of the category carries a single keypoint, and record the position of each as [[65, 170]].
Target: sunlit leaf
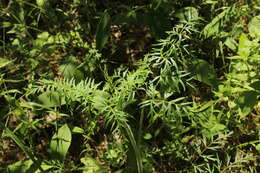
[[70, 71], [91, 166], [99, 100], [23, 166], [231, 44], [214, 27], [257, 147], [4, 62], [147, 136], [244, 46], [6, 24], [27, 166], [60, 143], [212, 126], [254, 27], [44, 35], [51, 99], [77, 130], [42, 3]]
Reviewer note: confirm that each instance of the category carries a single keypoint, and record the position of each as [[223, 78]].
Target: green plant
[[91, 99], [241, 88], [59, 146], [129, 86]]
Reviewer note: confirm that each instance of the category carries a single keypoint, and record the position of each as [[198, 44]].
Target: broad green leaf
[[102, 33], [16, 42], [51, 99], [244, 46], [70, 71], [214, 27], [147, 136], [99, 100], [219, 126], [239, 66], [44, 35], [38, 43], [60, 143], [113, 153], [42, 3], [246, 102], [187, 14], [231, 43], [186, 139], [212, 126], [23, 166], [6, 24], [239, 71], [41, 39], [91, 166], [257, 147], [77, 130], [254, 27], [4, 62], [46, 167], [27, 166], [203, 72]]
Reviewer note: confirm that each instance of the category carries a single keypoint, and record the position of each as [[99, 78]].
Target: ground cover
[[129, 86]]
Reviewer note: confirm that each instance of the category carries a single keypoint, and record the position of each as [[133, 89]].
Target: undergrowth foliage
[[78, 94]]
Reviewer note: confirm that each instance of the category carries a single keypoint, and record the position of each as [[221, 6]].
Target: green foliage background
[[129, 86]]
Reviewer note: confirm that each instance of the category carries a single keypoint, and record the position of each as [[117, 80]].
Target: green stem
[[21, 146], [140, 127], [135, 147]]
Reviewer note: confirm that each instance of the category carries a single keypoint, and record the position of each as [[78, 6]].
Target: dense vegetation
[[119, 86]]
